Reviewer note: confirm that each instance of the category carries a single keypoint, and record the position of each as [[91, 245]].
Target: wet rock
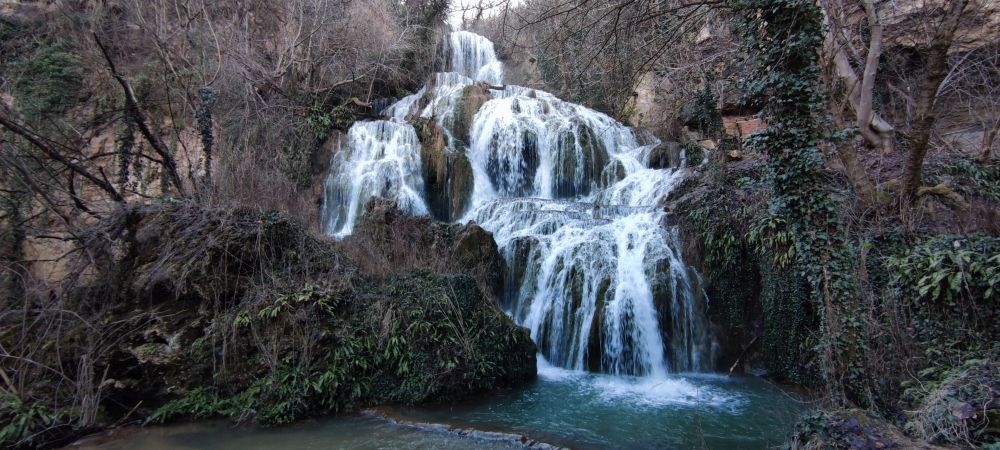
[[525, 165], [581, 159], [667, 155], [473, 97], [447, 173]]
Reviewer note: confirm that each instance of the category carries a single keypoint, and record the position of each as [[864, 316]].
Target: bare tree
[[945, 21], [840, 45], [595, 52], [972, 90]]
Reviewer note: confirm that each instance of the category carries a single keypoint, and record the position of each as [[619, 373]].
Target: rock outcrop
[[447, 174], [241, 314]]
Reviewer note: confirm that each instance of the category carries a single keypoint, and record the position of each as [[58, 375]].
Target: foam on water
[[645, 392]]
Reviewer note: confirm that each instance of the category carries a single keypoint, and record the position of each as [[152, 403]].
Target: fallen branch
[[945, 195], [742, 355]]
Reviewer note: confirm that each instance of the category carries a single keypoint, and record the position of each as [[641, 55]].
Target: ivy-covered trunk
[[783, 39]]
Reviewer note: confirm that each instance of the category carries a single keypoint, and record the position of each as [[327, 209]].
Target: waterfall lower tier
[[600, 287], [595, 272]]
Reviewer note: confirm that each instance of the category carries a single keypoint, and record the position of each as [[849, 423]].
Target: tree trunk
[[860, 98], [865, 113], [936, 62], [872, 127], [858, 176], [989, 136]]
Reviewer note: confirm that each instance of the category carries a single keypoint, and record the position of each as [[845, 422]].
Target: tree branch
[[141, 120], [39, 142]]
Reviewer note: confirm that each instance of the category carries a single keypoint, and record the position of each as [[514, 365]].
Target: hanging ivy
[[207, 96], [707, 113], [126, 142], [782, 39]]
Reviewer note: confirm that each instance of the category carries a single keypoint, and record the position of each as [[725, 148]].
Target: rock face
[[579, 163], [761, 314], [386, 237], [245, 315], [447, 174], [473, 97]]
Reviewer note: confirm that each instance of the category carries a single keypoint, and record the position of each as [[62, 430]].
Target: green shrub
[[975, 177], [322, 121], [23, 423], [47, 81], [950, 268], [694, 155]]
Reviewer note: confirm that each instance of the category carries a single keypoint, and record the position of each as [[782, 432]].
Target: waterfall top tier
[[473, 55], [595, 273]]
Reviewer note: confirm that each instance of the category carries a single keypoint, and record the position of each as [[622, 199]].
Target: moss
[[594, 348], [578, 172], [447, 174], [460, 184], [469, 101], [406, 339]]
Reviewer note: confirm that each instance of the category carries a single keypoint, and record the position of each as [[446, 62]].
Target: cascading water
[[381, 159], [595, 271], [473, 56]]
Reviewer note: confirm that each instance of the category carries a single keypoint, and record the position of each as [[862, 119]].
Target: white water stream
[[595, 272]]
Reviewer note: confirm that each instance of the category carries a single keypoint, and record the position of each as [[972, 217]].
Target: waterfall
[[594, 269], [473, 56], [381, 159]]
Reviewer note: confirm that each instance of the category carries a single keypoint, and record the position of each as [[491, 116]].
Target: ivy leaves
[[782, 40]]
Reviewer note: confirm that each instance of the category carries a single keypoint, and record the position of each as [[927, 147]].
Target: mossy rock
[[472, 98], [447, 173], [527, 165], [290, 326], [580, 161]]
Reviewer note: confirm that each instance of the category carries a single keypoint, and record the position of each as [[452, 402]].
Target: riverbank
[[562, 408]]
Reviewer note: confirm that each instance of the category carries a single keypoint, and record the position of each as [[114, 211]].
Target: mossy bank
[[196, 313]]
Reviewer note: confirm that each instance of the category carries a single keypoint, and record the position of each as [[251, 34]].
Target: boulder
[[295, 325], [396, 241], [666, 155]]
